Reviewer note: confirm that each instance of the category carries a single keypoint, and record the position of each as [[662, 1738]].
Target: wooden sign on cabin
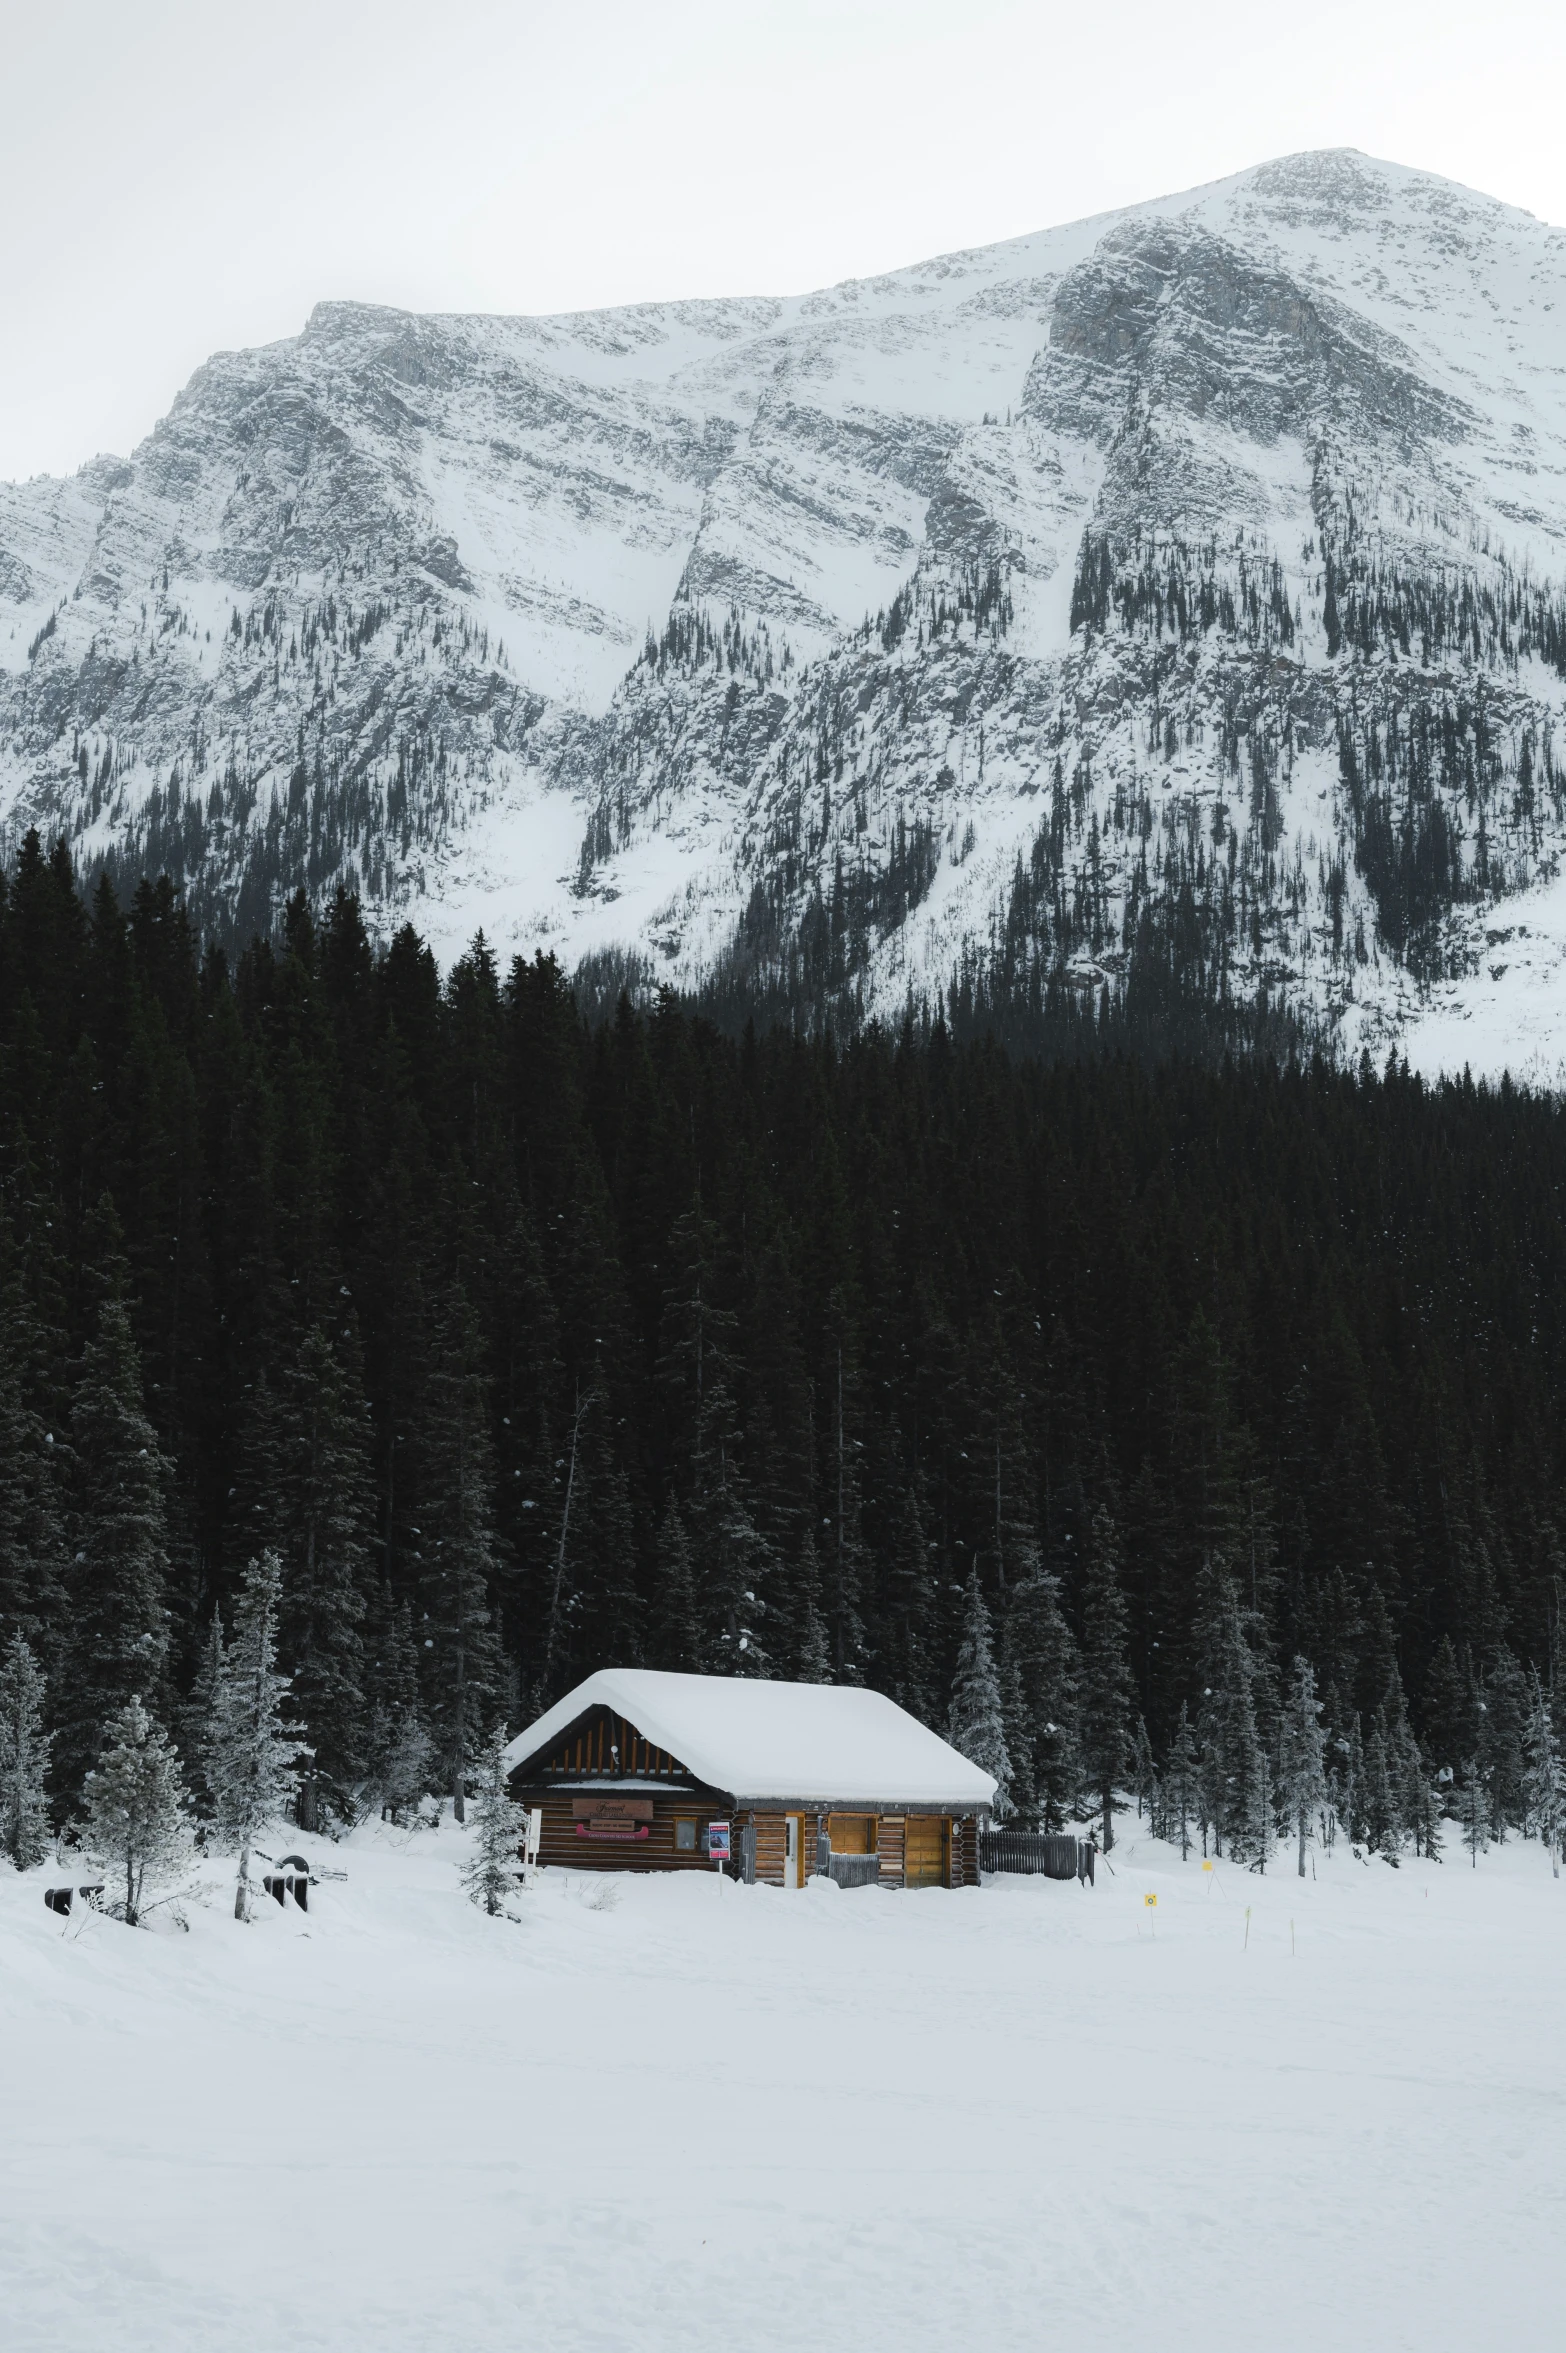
[[612, 1817]]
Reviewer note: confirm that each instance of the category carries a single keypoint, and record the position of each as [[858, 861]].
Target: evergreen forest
[[1180, 1425]]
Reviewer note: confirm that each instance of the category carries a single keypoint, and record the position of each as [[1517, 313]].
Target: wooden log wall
[[562, 1848], [891, 1831]]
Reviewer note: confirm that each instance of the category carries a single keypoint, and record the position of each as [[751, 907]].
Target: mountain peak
[[1187, 574]]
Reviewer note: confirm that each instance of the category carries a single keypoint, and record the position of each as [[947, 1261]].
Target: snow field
[[679, 2113]]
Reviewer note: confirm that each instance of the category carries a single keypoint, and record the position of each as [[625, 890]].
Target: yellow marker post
[[1151, 1902]]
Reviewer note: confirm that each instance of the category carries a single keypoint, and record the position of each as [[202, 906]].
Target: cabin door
[[792, 1844], [926, 1851]]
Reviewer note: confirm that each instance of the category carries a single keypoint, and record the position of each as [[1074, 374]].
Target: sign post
[[1151, 1901], [531, 1841], [718, 1845]]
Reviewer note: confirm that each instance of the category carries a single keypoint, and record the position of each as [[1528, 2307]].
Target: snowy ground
[[683, 2114]]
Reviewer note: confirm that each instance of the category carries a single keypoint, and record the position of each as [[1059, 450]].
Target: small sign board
[[1151, 1900], [718, 1841]]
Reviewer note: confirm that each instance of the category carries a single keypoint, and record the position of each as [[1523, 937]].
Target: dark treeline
[[1111, 1386]]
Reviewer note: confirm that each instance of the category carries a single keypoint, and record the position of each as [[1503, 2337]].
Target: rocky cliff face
[[1175, 593]]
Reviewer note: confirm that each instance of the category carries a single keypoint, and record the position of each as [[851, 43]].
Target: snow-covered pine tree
[[498, 1823], [1546, 1776], [1425, 1811], [1263, 1829], [1346, 1775], [24, 1757], [1303, 1771], [1106, 1703], [1446, 1710], [136, 1826], [1144, 1776], [1383, 1821], [194, 1721], [252, 1757], [1231, 1746], [1024, 1794], [977, 1725], [1505, 1718], [1475, 1813], [401, 1753], [1181, 1778]]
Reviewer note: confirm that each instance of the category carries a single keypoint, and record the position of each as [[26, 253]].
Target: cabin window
[[684, 1835]]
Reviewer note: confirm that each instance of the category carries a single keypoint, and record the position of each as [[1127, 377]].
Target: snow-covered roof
[[816, 1743]]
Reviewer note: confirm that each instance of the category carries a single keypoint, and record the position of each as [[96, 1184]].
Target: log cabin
[[630, 1768]]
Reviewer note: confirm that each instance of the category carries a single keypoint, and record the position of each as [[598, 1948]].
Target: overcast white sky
[[181, 178]]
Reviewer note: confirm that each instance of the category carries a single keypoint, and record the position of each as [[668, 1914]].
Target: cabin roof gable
[[808, 1744]]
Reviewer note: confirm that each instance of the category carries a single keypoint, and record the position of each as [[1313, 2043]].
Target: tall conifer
[[119, 1633]]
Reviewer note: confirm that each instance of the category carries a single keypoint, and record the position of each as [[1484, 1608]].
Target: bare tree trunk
[[242, 1884]]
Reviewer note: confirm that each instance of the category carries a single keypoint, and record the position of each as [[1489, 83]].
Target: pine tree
[[1040, 1650], [1303, 1774], [846, 1564], [324, 1540], [675, 1635], [1383, 1821], [1504, 1716], [457, 1557], [1448, 1709], [194, 1724], [811, 1641], [1106, 1702], [607, 1618], [401, 1753], [498, 1824], [32, 1542], [977, 1725], [696, 1369], [1144, 1775], [1426, 1811], [904, 1619], [1546, 1776], [1226, 1726], [1349, 1783], [24, 1757], [1182, 1781], [119, 1633], [1475, 1815], [1022, 1790], [136, 1827], [251, 1761]]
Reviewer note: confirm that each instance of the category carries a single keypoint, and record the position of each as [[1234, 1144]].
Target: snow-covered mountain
[[1184, 585]]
